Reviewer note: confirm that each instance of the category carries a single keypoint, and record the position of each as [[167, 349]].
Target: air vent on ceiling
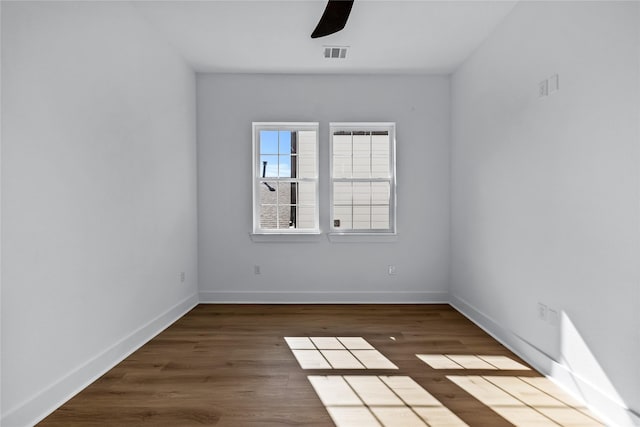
[[335, 52]]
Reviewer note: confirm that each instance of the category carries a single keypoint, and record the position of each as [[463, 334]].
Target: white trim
[[534, 357], [52, 397], [362, 237], [1, 210], [604, 406], [279, 125], [329, 297], [285, 237], [360, 125]]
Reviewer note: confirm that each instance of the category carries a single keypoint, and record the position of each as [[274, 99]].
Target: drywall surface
[[322, 271], [545, 194], [98, 196]]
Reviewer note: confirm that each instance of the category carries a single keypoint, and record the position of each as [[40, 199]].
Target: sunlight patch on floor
[[337, 353], [311, 359], [389, 401], [373, 359], [341, 359], [526, 401], [470, 361]]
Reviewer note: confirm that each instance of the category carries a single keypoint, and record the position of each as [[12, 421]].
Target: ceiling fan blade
[[333, 19]]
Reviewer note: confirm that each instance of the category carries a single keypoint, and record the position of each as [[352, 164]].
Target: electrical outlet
[[182, 277], [542, 311], [392, 270], [554, 84], [543, 88], [256, 269]]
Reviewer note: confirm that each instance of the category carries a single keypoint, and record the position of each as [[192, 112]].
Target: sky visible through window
[[275, 149]]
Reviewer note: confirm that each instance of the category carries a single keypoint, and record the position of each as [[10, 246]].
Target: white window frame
[[390, 127], [257, 176]]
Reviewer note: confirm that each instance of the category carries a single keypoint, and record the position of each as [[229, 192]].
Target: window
[[285, 172], [363, 177]]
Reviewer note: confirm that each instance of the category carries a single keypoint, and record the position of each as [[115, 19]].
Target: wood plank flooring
[[229, 365]]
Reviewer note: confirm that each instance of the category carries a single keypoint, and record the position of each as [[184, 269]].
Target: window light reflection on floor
[[341, 359], [469, 361], [337, 353], [389, 401], [526, 401]]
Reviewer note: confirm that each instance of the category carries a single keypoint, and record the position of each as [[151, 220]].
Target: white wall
[[545, 193], [322, 271], [98, 196]]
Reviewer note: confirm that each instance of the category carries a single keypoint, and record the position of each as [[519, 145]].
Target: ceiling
[[267, 36]]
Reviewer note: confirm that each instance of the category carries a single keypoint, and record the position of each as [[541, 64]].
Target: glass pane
[[285, 142], [287, 193], [306, 167], [341, 167], [380, 193], [268, 218], [342, 214], [306, 217], [380, 156], [361, 193], [283, 157], [285, 166], [362, 145], [306, 154], [342, 145], [307, 193], [380, 217], [268, 166], [361, 167], [268, 142], [362, 217], [342, 193], [286, 216], [380, 167], [268, 193], [380, 145]]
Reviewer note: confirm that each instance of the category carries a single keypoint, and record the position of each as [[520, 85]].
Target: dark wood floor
[[228, 365]]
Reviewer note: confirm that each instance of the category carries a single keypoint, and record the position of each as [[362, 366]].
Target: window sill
[[286, 237], [362, 237]]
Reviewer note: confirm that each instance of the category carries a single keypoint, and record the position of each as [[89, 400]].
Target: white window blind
[[363, 177]]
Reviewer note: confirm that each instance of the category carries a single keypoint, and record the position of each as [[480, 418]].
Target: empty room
[[324, 213]]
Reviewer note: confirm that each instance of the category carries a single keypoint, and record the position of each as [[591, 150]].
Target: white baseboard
[[250, 297], [534, 357], [48, 400], [606, 407]]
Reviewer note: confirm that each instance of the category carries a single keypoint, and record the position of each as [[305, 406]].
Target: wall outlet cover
[[554, 84], [542, 311], [543, 88]]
